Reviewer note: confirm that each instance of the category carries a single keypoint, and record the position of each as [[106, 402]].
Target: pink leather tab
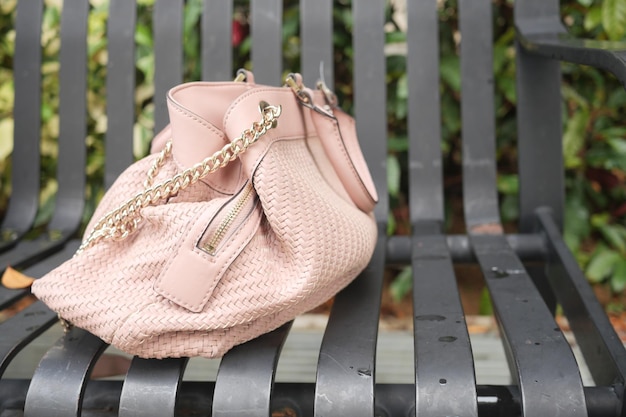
[[195, 112], [337, 132], [293, 123], [192, 274]]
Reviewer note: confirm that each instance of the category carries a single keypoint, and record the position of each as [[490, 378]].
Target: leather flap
[[192, 274], [337, 133]]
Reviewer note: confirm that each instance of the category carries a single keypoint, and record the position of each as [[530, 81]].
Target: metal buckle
[[303, 96]]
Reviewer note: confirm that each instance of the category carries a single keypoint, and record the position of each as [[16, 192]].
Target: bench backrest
[[369, 80]]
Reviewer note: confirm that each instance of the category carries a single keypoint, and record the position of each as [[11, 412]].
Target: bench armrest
[[550, 39]]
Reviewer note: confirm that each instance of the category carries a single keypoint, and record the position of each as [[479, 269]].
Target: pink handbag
[[256, 207]]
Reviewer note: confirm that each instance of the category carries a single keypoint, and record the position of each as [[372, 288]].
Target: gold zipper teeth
[[220, 233]]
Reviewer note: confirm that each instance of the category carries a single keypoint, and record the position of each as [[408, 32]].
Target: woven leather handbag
[[255, 207]]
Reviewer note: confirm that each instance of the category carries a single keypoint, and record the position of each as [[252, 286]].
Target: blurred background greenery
[[594, 116]]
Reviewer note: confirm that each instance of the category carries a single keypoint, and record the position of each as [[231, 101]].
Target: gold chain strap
[[121, 222]]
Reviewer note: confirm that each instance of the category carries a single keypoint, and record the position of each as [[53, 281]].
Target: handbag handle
[[338, 135], [121, 222]]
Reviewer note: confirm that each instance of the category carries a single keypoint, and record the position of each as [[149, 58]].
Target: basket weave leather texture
[[306, 241]]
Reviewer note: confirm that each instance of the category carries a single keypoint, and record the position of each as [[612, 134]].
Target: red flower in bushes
[[240, 31]]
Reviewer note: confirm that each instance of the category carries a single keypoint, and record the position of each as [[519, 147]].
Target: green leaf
[[576, 221], [593, 19], [618, 145], [571, 94], [485, 308], [508, 184], [574, 137], [47, 111], [449, 70], [509, 209], [143, 35], [193, 10], [499, 57], [615, 235], [395, 37], [6, 138], [604, 157], [614, 18], [7, 6], [146, 66], [402, 90], [291, 24], [614, 131], [393, 175], [450, 114], [396, 64], [617, 98], [600, 219], [398, 144], [48, 197], [391, 224], [402, 284], [602, 264], [51, 16], [618, 280], [585, 3], [508, 88]]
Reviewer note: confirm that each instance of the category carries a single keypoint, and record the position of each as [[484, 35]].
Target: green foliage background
[[594, 118]]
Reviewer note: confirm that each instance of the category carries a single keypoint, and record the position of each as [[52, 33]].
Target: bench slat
[[168, 55], [58, 385], [444, 365], [30, 322], [151, 387], [267, 45], [245, 378], [540, 358], [600, 345], [9, 296], [120, 100], [370, 107], [426, 200], [24, 199], [70, 196], [539, 101], [217, 35], [346, 365], [27, 252], [540, 156], [480, 199], [22, 329], [316, 31]]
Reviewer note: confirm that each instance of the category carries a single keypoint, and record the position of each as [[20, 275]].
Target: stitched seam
[[341, 143], [196, 118]]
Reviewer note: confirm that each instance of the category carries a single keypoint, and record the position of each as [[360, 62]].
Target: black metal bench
[[526, 273]]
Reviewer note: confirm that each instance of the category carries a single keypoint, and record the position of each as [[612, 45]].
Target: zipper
[[217, 235]]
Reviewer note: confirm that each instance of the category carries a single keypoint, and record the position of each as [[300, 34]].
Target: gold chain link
[[158, 163], [121, 222]]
